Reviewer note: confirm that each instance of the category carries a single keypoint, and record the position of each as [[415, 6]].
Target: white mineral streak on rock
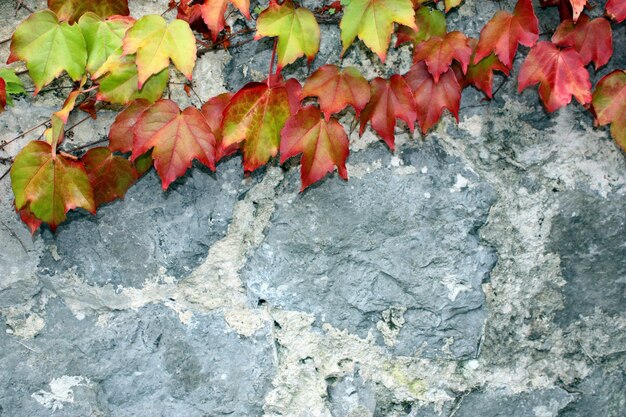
[[61, 392]]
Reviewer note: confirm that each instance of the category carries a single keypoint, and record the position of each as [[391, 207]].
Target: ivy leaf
[[560, 74], [616, 10], [49, 47], [255, 116], [155, 43], [593, 39], [192, 14], [213, 13], [12, 85], [430, 23], [450, 4], [72, 10], [568, 9], [177, 138], [27, 216], [103, 38], [609, 104], [294, 94], [118, 81], [110, 175], [438, 53], [505, 30], [336, 89], [323, 145], [372, 21], [213, 111], [480, 75], [390, 100], [121, 131], [297, 30], [49, 184], [432, 97], [3, 94]]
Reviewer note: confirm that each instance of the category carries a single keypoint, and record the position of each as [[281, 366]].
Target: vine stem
[[269, 76], [4, 144]]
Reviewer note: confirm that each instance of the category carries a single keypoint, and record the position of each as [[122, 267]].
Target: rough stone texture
[[478, 271]]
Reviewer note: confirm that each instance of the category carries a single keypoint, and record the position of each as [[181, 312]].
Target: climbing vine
[[114, 59]]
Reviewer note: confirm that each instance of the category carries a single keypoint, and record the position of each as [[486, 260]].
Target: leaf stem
[[269, 77]]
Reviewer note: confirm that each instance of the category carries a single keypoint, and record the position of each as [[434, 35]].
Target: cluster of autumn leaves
[[127, 63]]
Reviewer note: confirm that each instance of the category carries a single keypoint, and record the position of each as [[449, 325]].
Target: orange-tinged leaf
[[213, 13], [438, 53], [616, 10], [568, 9], [432, 97], [213, 111], [372, 21], [390, 100], [255, 116], [337, 88], [593, 39], [155, 43], [429, 22], [49, 184], [560, 74], [323, 145], [480, 75], [110, 175], [121, 131], [176, 139], [505, 30], [192, 14], [29, 219], [72, 10], [297, 30], [609, 104]]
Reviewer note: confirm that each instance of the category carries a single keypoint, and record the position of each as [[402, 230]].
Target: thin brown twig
[[86, 145], [4, 144]]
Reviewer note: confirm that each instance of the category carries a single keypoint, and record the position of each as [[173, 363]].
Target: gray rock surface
[[477, 271]]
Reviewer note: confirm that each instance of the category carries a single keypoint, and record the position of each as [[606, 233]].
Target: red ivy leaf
[[177, 138], [505, 30], [568, 9], [593, 39], [110, 175], [255, 116], [609, 104], [29, 219], [3, 94], [336, 89], [213, 111], [391, 100], [192, 14], [294, 94], [438, 53], [213, 13], [616, 9], [560, 74], [323, 145], [480, 75], [121, 131]]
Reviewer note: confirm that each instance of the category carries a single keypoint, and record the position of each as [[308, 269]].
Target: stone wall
[[477, 271]]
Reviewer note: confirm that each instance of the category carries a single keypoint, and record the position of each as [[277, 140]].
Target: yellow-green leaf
[[155, 43], [72, 10], [297, 30], [372, 21], [49, 47], [103, 37]]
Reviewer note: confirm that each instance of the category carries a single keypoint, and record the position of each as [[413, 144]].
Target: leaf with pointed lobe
[[609, 104], [560, 74], [103, 38], [337, 88], [255, 116], [49, 47], [27, 216], [480, 75], [593, 39], [213, 111], [323, 145], [176, 139], [70, 102], [390, 100], [110, 175], [118, 80], [429, 22], [72, 10], [438, 53], [505, 31], [192, 14], [156, 42], [213, 13], [373, 22], [121, 131], [432, 97], [568, 9], [12, 85], [616, 10], [296, 28], [49, 184], [294, 94]]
